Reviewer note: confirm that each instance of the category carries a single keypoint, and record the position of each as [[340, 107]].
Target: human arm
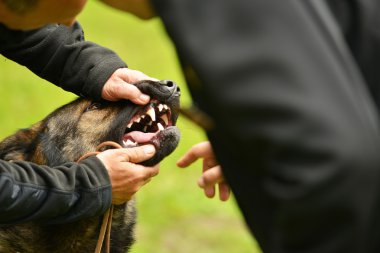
[[71, 191], [31, 192], [61, 55], [212, 172]]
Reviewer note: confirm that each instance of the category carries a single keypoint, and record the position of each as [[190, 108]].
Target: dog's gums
[[147, 123], [138, 125]]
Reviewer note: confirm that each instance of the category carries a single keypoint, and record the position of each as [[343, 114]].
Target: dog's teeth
[[164, 117], [166, 107], [142, 117], [129, 125], [160, 107], [160, 127], [138, 120], [145, 128], [150, 123], [129, 143], [151, 113]]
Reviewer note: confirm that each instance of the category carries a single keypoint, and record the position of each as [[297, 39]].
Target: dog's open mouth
[[147, 123]]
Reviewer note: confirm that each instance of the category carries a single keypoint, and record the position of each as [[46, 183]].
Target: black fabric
[[60, 55], [360, 23], [66, 193], [297, 132]]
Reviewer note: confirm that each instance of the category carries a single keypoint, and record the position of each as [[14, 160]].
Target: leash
[[105, 229]]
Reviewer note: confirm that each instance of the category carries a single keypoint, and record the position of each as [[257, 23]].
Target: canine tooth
[[130, 125], [138, 120], [150, 123], [151, 113], [166, 107], [160, 107], [160, 127], [145, 128], [142, 117], [164, 117]]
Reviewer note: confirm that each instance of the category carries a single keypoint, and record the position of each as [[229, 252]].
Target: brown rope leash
[[107, 218]]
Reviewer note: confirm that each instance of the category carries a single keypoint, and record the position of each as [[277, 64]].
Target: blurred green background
[[174, 215]]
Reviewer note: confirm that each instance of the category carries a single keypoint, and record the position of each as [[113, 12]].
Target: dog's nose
[[171, 86]]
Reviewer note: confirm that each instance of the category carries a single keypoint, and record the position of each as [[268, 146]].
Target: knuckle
[[155, 172], [132, 153], [139, 176], [116, 88], [210, 177]]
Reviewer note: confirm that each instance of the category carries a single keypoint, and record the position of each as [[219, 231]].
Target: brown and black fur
[[66, 134]]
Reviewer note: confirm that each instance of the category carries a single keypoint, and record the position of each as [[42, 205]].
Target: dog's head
[[80, 126]]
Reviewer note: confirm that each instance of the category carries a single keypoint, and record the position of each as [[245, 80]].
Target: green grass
[[174, 216]]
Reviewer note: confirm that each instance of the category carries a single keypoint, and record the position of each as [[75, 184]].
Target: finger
[[123, 90], [224, 191], [212, 176], [136, 154], [146, 181], [151, 171], [199, 150], [209, 163], [131, 92], [209, 191], [142, 172], [119, 86], [132, 76]]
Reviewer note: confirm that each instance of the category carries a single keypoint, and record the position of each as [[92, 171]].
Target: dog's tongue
[[139, 137]]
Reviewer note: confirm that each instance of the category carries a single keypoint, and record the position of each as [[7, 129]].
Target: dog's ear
[[20, 144]]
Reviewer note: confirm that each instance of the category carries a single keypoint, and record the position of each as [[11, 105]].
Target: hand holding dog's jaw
[[126, 176], [80, 129], [119, 86]]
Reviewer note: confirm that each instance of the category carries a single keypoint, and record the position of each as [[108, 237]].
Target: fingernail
[[144, 98], [149, 149]]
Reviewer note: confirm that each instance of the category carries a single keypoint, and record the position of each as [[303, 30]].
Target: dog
[[74, 130]]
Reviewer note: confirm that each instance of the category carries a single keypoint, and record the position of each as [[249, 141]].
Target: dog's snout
[[171, 86]]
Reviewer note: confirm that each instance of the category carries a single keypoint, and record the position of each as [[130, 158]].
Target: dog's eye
[[94, 106]]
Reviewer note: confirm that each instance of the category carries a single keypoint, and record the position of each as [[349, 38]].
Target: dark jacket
[[296, 129], [71, 191], [60, 55]]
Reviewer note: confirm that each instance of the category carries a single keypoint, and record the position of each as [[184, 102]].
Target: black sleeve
[[29, 192], [296, 132], [60, 55]]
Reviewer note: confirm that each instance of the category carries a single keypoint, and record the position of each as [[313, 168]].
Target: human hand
[[119, 86], [212, 172], [126, 176]]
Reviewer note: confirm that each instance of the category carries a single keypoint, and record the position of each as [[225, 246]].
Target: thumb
[[138, 154]]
